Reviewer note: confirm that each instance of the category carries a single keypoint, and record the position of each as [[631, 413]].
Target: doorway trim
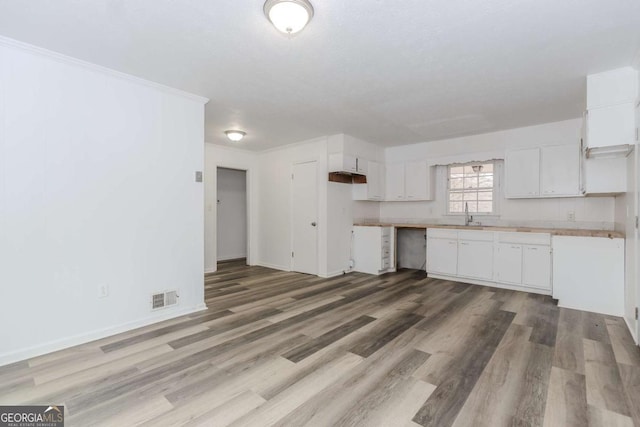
[[248, 215], [214, 210]]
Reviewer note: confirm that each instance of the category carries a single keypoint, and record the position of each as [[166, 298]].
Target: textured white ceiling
[[387, 71]]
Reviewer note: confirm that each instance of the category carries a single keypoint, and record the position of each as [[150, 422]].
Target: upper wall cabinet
[[339, 162], [419, 181], [610, 116], [394, 182], [410, 181], [374, 188], [560, 171], [611, 126], [542, 172], [522, 173]]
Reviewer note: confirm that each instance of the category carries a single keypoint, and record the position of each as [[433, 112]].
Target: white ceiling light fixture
[[235, 135], [288, 16]]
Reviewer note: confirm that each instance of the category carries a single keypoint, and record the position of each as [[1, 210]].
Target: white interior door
[[304, 213]]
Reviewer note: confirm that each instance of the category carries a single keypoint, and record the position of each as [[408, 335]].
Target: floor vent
[[164, 299]]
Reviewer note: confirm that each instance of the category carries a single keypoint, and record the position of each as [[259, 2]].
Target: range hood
[[609, 152]]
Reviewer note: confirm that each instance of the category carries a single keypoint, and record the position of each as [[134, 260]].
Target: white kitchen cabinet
[[588, 274], [612, 87], [475, 259], [373, 249], [395, 190], [515, 260], [442, 251], [522, 173], [340, 162], [536, 266], [552, 171], [508, 263], [611, 125], [374, 188], [419, 181], [560, 171], [410, 181]]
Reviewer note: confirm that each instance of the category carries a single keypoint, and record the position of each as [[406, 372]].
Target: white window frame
[[497, 167]]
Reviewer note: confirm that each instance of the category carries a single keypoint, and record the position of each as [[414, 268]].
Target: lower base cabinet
[[507, 259], [536, 266], [373, 249], [588, 274], [508, 265], [442, 255], [475, 259]]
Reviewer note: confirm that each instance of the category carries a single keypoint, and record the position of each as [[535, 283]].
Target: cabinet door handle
[[464, 244], [515, 247], [533, 249]]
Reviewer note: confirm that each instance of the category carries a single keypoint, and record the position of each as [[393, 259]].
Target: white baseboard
[[61, 344], [490, 284], [631, 330], [335, 274], [272, 266], [210, 270], [571, 307], [230, 257]]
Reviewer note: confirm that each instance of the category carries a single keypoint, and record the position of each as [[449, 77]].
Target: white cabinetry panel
[[560, 171], [552, 171], [508, 263], [536, 267], [611, 126], [588, 274], [522, 173], [395, 182], [442, 256], [373, 249], [475, 259], [374, 188], [418, 181]]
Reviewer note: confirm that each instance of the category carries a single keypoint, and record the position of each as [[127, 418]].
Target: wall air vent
[[170, 298], [164, 299], [157, 301]]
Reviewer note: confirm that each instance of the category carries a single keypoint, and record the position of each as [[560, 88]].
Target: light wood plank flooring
[[287, 349]]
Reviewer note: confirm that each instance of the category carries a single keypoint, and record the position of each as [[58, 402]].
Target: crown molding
[[15, 44]]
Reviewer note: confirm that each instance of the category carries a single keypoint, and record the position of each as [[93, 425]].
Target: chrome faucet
[[468, 219]]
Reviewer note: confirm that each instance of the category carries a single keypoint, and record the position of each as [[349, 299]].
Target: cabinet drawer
[[385, 264], [525, 238], [476, 235], [442, 233], [386, 242], [385, 232]]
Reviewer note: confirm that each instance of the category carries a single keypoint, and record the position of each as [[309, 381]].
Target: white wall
[[589, 212], [227, 157], [97, 188], [232, 214], [274, 202], [340, 224]]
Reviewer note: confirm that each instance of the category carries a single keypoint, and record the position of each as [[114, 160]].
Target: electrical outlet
[[571, 216], [103, 291]]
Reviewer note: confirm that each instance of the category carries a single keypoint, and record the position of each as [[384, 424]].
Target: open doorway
[[231, 218]]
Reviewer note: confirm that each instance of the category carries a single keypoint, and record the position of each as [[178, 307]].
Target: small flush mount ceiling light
[[288, 16], [235, 135]]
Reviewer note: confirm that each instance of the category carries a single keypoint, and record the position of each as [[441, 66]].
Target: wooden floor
[[278, 348]]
